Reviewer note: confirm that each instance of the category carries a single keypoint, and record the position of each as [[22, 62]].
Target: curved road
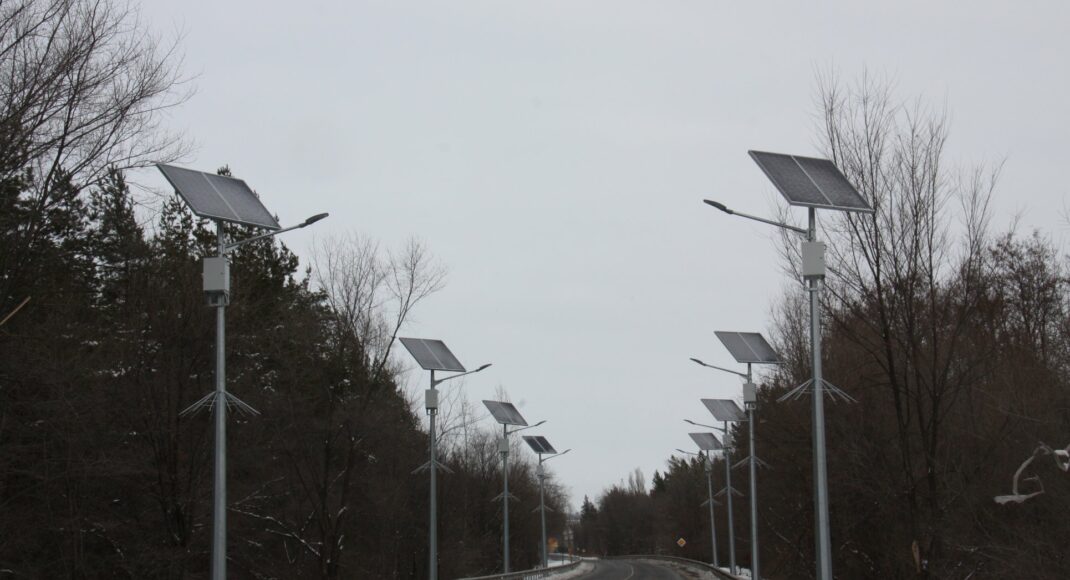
[[631, 570]]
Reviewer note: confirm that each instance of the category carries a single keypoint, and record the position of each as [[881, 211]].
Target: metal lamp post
[[708, 443], [504, 448], [506, 414], [753, 489], [433, 355], [728, 489], [542, 447], [542, 504], [222, 199], [812, 183], [748, 348], [221, 397]]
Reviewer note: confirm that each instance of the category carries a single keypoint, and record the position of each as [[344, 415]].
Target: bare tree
[[370, 294], [906, 287], [329, 442], [83, 89]]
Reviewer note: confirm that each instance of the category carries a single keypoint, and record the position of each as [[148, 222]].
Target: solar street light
[[701, 441], [506, 414], [750, 348], [542, 447], [222, 199], [707, 444], [726, 411], [433, 355], [814, 184]]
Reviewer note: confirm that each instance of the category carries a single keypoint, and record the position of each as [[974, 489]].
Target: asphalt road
[[630, 570]]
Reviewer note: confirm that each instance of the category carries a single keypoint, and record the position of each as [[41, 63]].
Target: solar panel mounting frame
[[724, 410], [748, 348], [218, 197], [432, 355], [806, 182], [706, 441], [505, 413], [539, 445]]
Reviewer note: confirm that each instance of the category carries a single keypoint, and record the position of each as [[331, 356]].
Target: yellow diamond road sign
[[681, 542]]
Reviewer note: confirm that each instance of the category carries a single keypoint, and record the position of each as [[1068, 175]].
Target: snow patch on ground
[[555, 562], [741, 572], [581, 570], [684, 570], [696, 573]]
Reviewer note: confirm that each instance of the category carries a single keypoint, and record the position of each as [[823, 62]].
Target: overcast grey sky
[[554, 155]]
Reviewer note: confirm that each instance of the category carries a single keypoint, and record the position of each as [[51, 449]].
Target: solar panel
[[546, 444], [505, 413], [833, 184], [219, 197], [706, 441], [432, 355], [539, 445], [748, 347], [810, 182], [724, 409], [535, 444]]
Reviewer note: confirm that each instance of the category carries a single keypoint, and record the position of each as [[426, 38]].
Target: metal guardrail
[[684, 561], [531, 574]]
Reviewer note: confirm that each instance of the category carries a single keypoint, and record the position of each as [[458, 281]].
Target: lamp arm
[[744, 375], [230, 247], [440, 381], [783, 225], [555, 455], [526, 428], [721, 429]]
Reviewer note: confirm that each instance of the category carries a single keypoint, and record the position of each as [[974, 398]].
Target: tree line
[[106, 339], [953, 341]]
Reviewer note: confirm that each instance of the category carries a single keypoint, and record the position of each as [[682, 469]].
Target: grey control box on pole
[[813, 259], [217, 280], [750, 394]]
